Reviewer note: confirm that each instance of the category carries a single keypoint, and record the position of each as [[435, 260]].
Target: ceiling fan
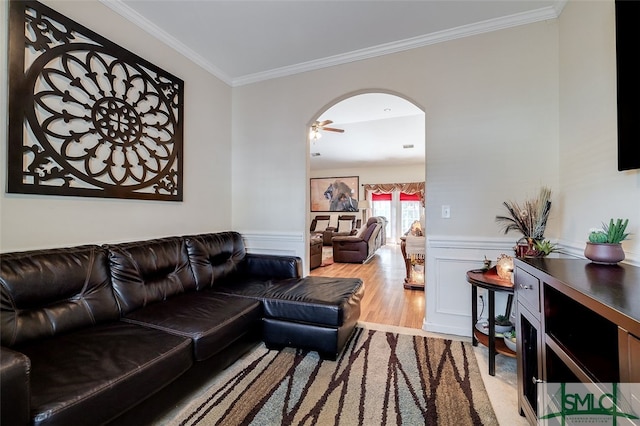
[[321, 126]]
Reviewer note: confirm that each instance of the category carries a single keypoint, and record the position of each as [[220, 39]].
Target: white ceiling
[[243, 41], [376, 126]]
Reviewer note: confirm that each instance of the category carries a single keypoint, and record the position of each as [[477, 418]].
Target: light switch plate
[[446, 212]]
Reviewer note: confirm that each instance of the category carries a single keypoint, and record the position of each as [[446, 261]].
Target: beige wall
[[30, 221], [491, 104], [592, 189], [506, 112]]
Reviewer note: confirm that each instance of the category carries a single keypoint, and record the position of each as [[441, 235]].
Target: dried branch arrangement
[[528, 218]]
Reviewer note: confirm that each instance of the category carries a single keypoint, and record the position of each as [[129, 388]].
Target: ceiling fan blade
[[332, 129], [323, 123]]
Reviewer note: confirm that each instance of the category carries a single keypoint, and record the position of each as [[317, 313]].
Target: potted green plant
[[510, 339], [545, 247], [604, 245], [503, 324]]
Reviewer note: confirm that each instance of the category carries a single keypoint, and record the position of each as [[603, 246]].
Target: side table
[[409, 282], [490, 281]]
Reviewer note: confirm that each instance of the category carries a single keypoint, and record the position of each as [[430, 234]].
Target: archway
[[383, 142], [386, 301]]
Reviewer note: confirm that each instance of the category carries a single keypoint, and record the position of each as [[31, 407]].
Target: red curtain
[[411, 188], [403, 197], [381, 197], [409, 197]]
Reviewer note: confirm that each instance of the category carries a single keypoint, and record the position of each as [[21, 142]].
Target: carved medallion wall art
[[87, 117]]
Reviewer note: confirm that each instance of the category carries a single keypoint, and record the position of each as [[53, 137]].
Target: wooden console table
[[490, 281], [577, 322]]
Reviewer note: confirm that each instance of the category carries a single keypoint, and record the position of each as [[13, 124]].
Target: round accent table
[[490, 281]]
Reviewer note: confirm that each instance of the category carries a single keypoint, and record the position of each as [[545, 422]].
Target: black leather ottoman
[[315, 313]]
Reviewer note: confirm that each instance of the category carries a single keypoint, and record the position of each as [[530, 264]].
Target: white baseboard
[[446, 329]]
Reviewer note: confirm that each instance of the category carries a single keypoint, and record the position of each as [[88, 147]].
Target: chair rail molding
[[448, 295], [462, 242], [277, 243]]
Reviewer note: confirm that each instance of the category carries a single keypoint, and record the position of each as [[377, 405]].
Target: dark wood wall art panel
[[87, 117]]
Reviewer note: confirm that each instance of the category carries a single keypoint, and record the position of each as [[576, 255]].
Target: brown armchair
[[319, 225], [315, 253], [358, 248], [346, 226]]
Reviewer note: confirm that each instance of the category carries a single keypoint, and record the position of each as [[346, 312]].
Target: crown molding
[[546, 13], [559, 6], [137, 19], [543, 14]]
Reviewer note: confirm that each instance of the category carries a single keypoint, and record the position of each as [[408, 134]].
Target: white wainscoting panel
[[283, 244], [448, 294]]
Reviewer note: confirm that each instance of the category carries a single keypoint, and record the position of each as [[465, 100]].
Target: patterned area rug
[[380, 378]]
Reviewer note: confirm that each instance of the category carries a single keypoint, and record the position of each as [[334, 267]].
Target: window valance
[[387, 188]]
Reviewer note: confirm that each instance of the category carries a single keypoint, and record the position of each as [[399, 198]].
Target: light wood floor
[[385, 301]]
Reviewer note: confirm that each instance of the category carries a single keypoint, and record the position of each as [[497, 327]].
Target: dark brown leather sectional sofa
[[89, 332]]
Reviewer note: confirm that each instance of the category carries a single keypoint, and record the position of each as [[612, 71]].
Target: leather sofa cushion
[[315, 300], [345, 225], [270, 266], [214, 256], [146, 272], [253, 288], [47, 292], [14, 396], [92, 375], [212, 321], [221, 257]]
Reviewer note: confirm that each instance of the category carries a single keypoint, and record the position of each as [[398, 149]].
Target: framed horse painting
[[334, 194]]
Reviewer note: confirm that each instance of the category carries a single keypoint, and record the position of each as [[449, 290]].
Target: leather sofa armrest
[[272, 266], [347, 239], [15, 396]]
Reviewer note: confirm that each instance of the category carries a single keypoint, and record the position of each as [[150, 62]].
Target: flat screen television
[[628, 73]]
